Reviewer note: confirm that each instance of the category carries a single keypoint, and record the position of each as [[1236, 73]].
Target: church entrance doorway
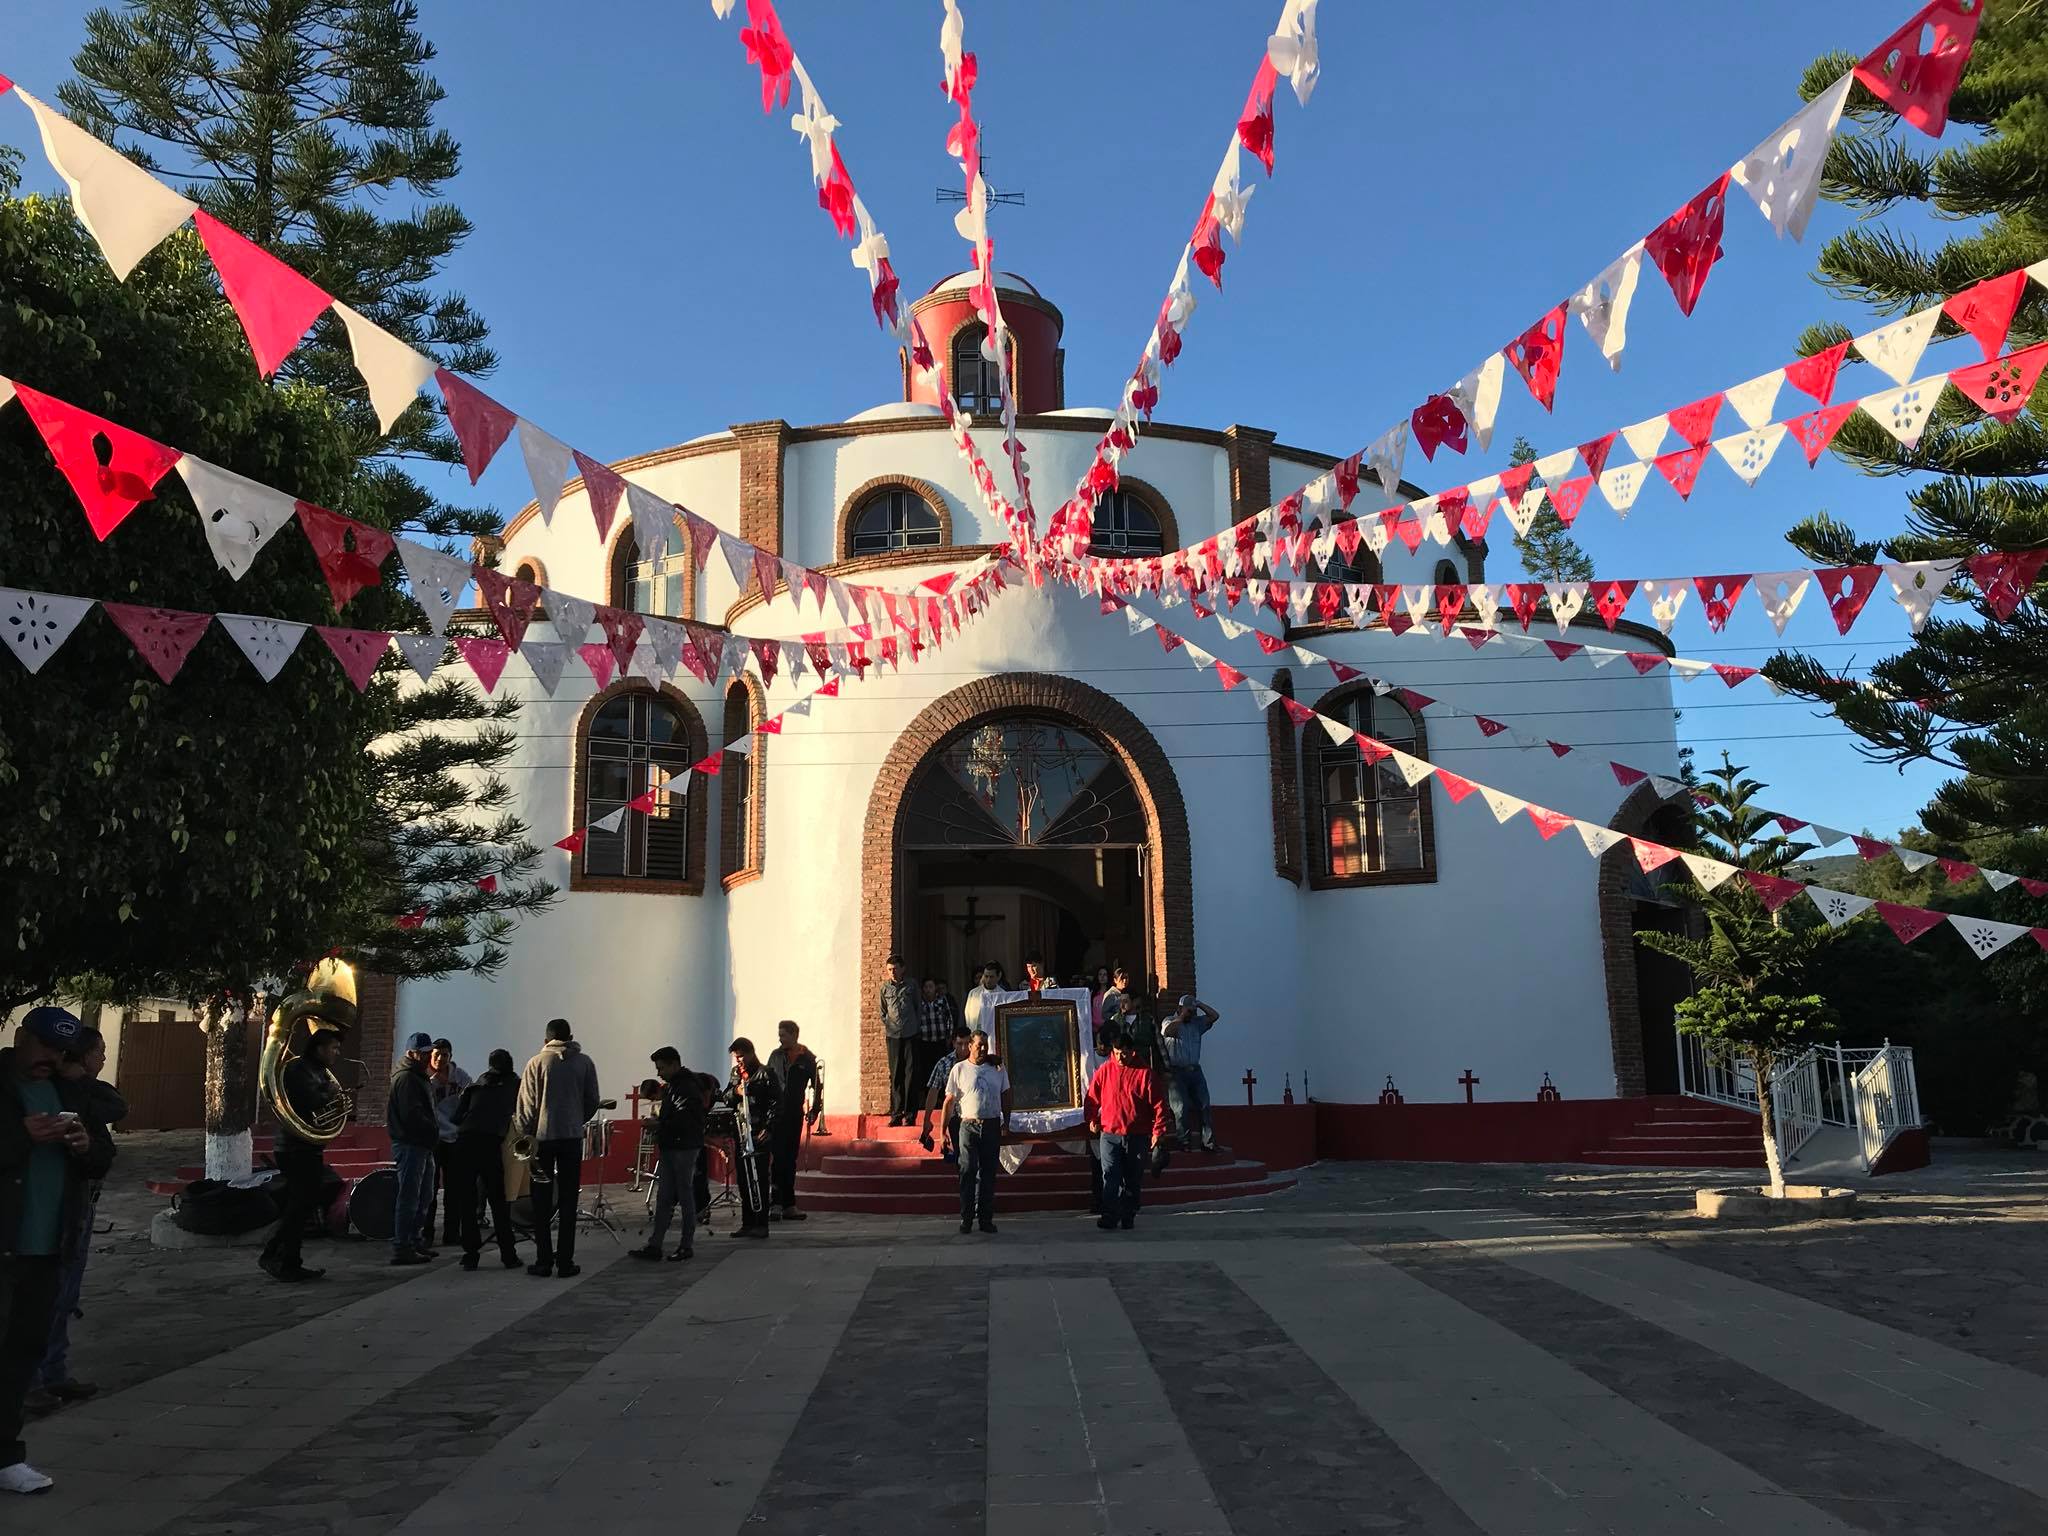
[[1020, 815]]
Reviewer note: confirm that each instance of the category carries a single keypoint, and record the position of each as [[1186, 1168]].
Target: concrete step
[[936, 1177], [1009, 1198], [1729, 1159], [1645, 1141]]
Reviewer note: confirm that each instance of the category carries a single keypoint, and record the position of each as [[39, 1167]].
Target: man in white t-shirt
[[979, 1008], [978, 1092]]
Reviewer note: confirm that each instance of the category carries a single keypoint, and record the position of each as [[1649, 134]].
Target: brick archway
[[1643, 813], [1171, 917]]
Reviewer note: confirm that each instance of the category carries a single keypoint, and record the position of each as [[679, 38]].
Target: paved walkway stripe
[[1081, 1436], [1524, 1444], [1988, 1417]]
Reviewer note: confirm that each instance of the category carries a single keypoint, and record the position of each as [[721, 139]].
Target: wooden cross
[[1469, 1081], [1248, 1081]]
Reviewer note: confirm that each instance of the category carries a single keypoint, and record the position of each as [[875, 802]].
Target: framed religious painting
[[1039, 1042]]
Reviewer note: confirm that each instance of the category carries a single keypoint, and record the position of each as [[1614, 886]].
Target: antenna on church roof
[[996, 198]]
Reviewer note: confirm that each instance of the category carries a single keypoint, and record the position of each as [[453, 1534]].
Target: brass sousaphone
[[328, 1002]]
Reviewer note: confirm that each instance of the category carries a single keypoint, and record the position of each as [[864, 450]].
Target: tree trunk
[[1773, 1164], [230, 1096]]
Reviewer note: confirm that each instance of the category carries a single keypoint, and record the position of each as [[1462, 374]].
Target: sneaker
[[774, 1213], [1108, 1223], [989, 1227], [540, 1271], [22, 1478], [760, 1232], [74, 1391], [39, 1402], [568, 1271], [967, 1226], [467, 1261], [791, 1213], [681, 1254], [651, 1251], [510, 1260], [409, 1256]]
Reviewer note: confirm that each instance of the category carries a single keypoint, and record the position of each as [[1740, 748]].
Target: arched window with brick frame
[[1366, 824], [1283, 762], [663, 584], [629, 739], [742, 787]]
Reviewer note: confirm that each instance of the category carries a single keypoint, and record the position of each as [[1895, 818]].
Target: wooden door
[[163, 1072]]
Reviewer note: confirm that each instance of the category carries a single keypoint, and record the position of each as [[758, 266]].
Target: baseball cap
[[419, 1040], [1187, 1000], [56, 1027]]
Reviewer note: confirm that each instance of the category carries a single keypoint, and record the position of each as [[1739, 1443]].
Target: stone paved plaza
[[1427, 1348]]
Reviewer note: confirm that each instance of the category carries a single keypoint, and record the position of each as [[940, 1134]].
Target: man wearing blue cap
[[52, 1145], [415, 1132]]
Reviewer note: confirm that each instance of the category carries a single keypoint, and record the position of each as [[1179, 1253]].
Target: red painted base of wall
[[1909, 1149], [1472, 1133]]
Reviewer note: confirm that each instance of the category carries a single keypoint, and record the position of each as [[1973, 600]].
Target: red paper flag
[[481, 425], [1228, 676], [1438, 423], [510, 600], [709, 764], [1454, 785], [2002, 387], [1272, 645], [573, 843], [622, 631], [1682, 468], [1514, 480], [1731, 674], [1255, 123], [358, 651], [604, 490], [766, 654], [1298, 712], [1686, 245], [1537, 355], [1342, 673], [1695, 423], [351, 554], [1169, 642], [768, 48], [111, 469], [1610, 599], [1816, 429], [1548, 822], [275, 304], [2036, 888], [1907, 922], [1568, 496], [1475, 636], [1773, 890], [1815, 375], [1450, 603], [409, 922], [1719, 595], [488, 885], [1645, 662], [1563, 650], [1870, 847], [1847, 588], [486, 655], [1415, 701], [1915, 70], [1488, 727], [1595, 453], [1986, 309], [1626, 776], [1558, 749], [1524, 596], [1651, 856], [163, 636], [1958, 870], [2006, 579], [597, 656]]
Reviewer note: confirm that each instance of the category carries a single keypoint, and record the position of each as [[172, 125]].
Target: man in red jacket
[[1126, 1111]]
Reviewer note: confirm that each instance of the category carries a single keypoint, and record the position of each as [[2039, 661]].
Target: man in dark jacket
[[52, 1146], [752, 1079], [311, 1090], [483, 1118], [679, 1143], [415, 1131], [796, 1070], [55, 1383]]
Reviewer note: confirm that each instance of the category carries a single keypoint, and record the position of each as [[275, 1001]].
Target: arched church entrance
[[1023, 814]]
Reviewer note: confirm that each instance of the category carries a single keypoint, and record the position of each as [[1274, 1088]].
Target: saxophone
[[328, 1001]]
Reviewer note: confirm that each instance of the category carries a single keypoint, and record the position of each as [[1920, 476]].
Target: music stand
[[597, 1142]]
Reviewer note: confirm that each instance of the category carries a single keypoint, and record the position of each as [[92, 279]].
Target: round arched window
[[1125, 527], [632, 745], [893, 519]]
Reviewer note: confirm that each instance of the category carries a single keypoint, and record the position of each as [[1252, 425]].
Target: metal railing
[[1870, 1090]]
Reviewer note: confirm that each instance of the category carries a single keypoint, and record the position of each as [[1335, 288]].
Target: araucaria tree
[[1753, 972], [1967, 692], [201, 838], [1548, 550]]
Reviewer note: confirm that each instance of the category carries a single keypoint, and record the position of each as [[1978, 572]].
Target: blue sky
[[651, 259]]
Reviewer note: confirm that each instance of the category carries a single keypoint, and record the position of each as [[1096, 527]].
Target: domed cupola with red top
[[1037, 363]]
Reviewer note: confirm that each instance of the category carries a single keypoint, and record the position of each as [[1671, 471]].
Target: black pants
[[444, 1176], [906, 1088], [556, 1199], [700, 1186], [751, 1214], [476, 1176], [303, 1175], [980, 1143], [28, 1298], [783, 1144]]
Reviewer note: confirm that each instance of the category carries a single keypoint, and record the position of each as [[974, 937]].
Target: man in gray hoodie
[[557, 1097]]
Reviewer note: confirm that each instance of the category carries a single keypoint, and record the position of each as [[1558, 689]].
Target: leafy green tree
[[1753, 972], [1972, 483], [1548, 551]]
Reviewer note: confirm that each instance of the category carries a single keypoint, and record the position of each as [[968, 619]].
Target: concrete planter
[[1754, 1204]]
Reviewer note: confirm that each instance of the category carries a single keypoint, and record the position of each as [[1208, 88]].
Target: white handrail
[[1871, 1090]]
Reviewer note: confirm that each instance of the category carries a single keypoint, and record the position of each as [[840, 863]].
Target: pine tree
[[1548, 551], [1974, 482]]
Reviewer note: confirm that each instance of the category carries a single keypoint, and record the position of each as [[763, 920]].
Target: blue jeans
[[415, 1189], [980, 1141], [1123, 1170], [56, 1366], [675, 1186], [1187, 1095]]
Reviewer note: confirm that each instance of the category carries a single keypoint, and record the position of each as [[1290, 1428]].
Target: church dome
[[1037, 362]]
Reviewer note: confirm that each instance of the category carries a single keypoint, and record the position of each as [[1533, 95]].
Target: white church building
[[1048, 781]]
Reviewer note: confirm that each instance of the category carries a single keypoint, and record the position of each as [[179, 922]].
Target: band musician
[[802, 1098], [308, 1083], [754, 1094]]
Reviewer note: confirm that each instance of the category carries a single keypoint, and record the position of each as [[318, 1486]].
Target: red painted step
[[1009, 1198], [1675, 1132]]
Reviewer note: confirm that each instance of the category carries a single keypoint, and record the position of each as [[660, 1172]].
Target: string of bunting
[[1626, 775], [1999, 386], [1985, 936], [1914, 71], [770, 51], [1292, 52]]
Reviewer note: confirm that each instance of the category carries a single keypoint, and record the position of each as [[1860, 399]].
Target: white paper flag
[[1997, 879], [1478, 397], [1137, 622], [610, 823], [1755, 401], [1895, 349], [1553, 467], [571, 616], [1780, 592], [422, 653], [1567, 599], [127, 210], [1838, 907], [1336, 730], [1749, 453], [1781, 173], [547, 658], [1262, 696], [1912, 858], [665, 637], [238, 515], [1521, 514], [1503, 805], [739, 558], [268, 643], [35, 624], [1386, 456], [654, 521], [1198, 656], [1602, 305], [1621, 484], [1903, 412], [547, 466], [1708, 873], [1917, 583], [1232, 630], [1484, 598], [1646, 437], [1665, 599], [391, 370], [1597, 839], [1412, 769], [6, 392], [436, 580], [1418, 601], [1985, 937]]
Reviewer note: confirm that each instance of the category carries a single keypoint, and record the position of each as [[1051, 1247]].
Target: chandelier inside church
[[1026, 781]]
